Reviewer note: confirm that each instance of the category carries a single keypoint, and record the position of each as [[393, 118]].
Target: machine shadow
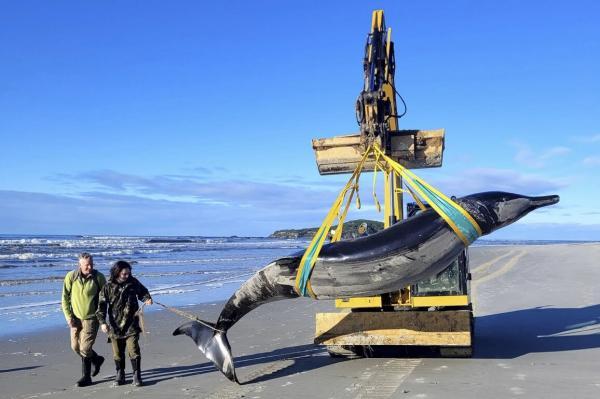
[[542, 329]]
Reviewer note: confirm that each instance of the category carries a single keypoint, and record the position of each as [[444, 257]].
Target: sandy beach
[[536, 335]]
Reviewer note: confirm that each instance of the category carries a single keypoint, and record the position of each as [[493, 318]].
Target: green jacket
[[119, 301], [80, 295]]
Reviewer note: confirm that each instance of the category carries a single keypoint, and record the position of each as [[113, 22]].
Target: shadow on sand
[[299, 358], [544, 329], [18, 369]]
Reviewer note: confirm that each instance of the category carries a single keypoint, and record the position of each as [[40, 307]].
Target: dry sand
[[537, 336]]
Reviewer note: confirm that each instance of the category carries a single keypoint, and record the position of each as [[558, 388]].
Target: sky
[[196, 118]]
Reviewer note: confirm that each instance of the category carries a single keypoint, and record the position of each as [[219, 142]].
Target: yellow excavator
[[433, 313]]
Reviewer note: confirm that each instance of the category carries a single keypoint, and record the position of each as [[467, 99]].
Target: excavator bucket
[[413, 149]]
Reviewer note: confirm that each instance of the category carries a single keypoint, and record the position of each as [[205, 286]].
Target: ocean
[[178, 271]]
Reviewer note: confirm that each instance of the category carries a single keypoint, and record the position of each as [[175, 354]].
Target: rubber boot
[[86, 371], [120, 376], [97, 361], [137, 372]]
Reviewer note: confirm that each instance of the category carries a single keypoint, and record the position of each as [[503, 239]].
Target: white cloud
[[101, 213], [291, 194], [587, 139], [526, 156], [591, 161], [488, 179], [104, 213]]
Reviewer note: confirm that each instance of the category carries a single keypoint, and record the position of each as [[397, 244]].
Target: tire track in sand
[[497, 273], [383, 380], [484, 267]]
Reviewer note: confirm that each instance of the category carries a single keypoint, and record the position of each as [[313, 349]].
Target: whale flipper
[[213, 344]]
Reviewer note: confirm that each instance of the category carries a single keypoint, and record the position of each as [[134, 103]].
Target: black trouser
[[119, 345]]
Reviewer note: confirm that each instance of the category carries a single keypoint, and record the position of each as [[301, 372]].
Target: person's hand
[[104, 328], [148, 301], [71, 323]]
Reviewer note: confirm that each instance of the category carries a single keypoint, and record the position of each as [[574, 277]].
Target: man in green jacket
[[80, 293]]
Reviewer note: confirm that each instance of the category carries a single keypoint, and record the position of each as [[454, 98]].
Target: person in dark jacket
[[119, 301]]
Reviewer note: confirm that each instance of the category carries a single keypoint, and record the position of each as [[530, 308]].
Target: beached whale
[[405, 253]]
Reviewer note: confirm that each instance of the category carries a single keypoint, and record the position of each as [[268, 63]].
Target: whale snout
[[496, 209], [538, 202]]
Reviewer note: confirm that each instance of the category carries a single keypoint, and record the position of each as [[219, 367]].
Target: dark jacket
[[120, 302]]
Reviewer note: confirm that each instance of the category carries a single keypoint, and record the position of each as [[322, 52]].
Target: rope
[[188, 316], [140, 315]]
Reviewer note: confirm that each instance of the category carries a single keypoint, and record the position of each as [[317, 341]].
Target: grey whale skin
[[405, 253]]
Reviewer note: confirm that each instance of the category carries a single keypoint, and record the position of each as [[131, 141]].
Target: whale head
[[495, 209]]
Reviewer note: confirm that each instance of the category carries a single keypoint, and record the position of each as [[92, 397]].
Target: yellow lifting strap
[[312, 252], [463, 224], [465, 227]]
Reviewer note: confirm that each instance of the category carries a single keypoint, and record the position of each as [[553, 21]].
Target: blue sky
[[189, 117]]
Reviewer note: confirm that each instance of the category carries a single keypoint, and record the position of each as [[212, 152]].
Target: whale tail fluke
[[212, 343]]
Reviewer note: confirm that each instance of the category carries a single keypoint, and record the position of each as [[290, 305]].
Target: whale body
[[403, 254]]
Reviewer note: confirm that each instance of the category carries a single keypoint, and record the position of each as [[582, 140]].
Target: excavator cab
[[453, 281]]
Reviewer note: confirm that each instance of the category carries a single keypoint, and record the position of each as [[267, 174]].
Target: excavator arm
[[376, 111]]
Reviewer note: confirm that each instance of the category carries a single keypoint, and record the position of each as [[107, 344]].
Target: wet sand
[[537, 335]]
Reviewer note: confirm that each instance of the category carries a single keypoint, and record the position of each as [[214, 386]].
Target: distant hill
[[350, 230]]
